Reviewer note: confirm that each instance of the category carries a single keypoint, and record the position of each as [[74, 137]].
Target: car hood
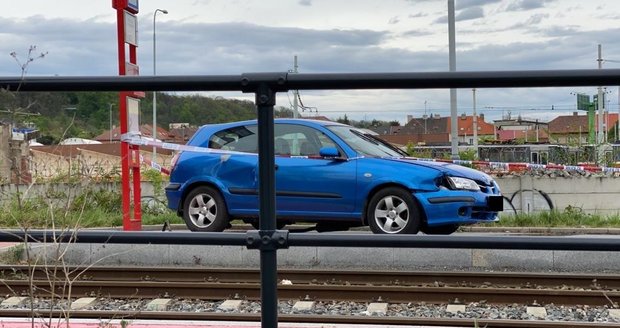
[[449, 168]]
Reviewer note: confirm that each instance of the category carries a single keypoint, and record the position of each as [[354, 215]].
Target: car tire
[[441, 230], [204, 210], [393, 210]]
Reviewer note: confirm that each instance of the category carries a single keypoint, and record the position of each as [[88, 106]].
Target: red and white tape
[[527, 166], [136, 139]]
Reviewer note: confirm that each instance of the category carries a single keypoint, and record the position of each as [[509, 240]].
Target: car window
[[241, 138], [299, 140], [363, 143], [290, 140]]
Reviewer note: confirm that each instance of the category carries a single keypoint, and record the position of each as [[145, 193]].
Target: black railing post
[[265, 101]]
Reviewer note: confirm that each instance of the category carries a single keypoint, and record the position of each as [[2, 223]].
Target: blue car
[[327, 173]]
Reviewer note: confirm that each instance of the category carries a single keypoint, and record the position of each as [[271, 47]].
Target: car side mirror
[[329, 152]]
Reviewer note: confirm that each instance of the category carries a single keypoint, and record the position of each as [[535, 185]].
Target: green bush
[[570, 217], [104, 200]]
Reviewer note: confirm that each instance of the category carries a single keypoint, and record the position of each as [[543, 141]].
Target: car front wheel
[[204, 210], [393, 210]]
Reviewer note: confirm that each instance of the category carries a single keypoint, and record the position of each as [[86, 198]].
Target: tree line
[[61, 115]]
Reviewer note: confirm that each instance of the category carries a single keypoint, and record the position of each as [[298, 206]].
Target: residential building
[[434, 130], [95, 161], [510, 129], [573, 129], [146, 130]]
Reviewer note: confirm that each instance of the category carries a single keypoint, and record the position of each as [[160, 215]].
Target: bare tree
[[15, 149]]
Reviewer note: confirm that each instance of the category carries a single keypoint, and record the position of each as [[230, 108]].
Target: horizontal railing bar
[[282, 81], [441, 80], [320, 240]]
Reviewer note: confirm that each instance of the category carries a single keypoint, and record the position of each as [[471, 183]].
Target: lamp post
[[110, 111], [163, 11], [475, 125]]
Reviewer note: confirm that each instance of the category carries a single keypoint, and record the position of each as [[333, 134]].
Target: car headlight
[[463, 183]]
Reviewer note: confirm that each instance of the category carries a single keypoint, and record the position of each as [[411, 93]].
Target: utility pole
[[425, 119], [452, 51], [295, 92], [165, 12], [600, 102], [110, 112], [475, 124], [609, 107], [601, 111]]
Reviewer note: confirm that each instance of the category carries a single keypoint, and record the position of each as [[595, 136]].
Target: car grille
[[488, 189]]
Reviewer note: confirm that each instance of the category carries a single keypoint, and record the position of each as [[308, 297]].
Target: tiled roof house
[[574, 129]]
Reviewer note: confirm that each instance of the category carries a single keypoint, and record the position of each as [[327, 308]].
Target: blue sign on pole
[[132, 5]]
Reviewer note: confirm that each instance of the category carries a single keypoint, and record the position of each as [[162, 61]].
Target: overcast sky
[[236, 36]]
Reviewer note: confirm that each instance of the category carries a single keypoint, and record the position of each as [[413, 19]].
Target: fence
[[265, 86]]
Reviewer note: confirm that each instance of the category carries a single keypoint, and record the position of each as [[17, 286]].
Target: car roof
[[302, 121], [204, 132]]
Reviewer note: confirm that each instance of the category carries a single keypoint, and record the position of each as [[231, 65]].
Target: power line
[[304, 107]]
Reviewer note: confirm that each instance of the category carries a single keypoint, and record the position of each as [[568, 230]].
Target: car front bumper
[[459, 207]]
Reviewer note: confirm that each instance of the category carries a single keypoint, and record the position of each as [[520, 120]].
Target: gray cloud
[[80, 48], [470, 13], [416, 33], [75, 47], [394, 20], [461, 4], [305, 2], [522, 5], [464, 4], [416, 15], [466, 14], [536, 19], [573, 50]]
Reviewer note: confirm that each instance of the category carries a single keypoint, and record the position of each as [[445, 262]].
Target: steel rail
[[317, 277], [356, 293]]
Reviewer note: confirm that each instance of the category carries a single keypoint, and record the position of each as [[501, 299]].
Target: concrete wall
[[594, 195], [527, 193], [351, 258], [64, 191]]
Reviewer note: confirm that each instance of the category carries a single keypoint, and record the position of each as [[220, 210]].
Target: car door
[[236, 171], [307, 184]]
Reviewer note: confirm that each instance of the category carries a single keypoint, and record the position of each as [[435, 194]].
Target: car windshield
[[365, 143]]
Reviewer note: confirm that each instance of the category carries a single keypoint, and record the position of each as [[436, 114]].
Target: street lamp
[[165, 12], [110, 111]]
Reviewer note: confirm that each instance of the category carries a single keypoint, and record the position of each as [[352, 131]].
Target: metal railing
[[265, 86]]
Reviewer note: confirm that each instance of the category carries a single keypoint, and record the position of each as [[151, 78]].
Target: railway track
[[525, 280], [355, 293], [397, 289]]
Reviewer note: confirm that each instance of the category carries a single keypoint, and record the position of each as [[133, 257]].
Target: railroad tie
[[537, 311], [614, 314], [230, 305], [377, 309], [158, 304], [303, 306], [13, 301], [82, 302], [455, 308]]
